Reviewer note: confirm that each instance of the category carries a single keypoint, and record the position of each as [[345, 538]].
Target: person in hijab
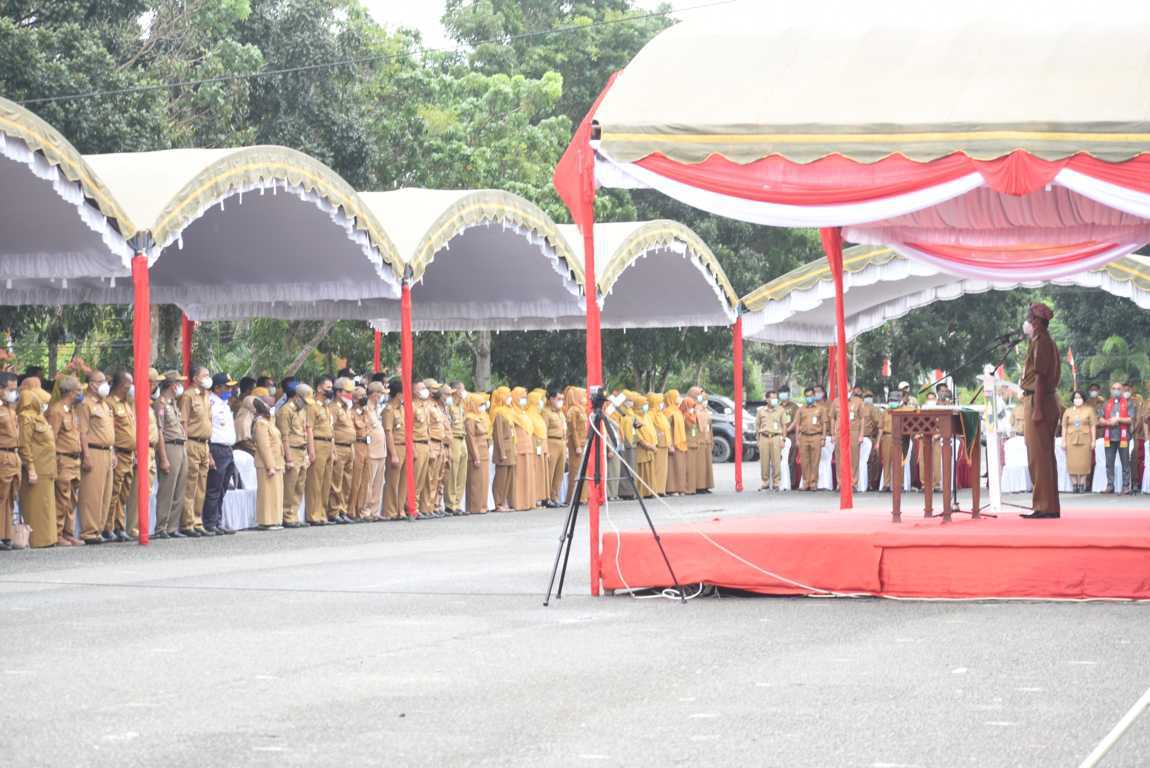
[[535, 403], [678, 457], [646, 443], [575, 406], [690, 409], [38, 456], [706, 470], [503, 428], [1079, 423], [270, 464], [628, 422], [556, 447], [663, 436], [245, 418], [477, 436], [613, 438], [523, 491]]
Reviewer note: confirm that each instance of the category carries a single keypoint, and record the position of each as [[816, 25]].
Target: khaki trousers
[[38, 508], [556, 461], [294, 483], [771, 461], [456, 474], [123, 476], [269, 498], [133, 521], [196, 484], [376, 472], [9, 487], [395, 487], [421, 461], [173, 486], [95, 493], [319, 483], [67, 494], [339, 497], [360, 482], [810, 453]]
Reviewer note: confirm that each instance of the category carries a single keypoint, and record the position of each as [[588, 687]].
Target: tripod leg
[[567, 536], [658, 540]]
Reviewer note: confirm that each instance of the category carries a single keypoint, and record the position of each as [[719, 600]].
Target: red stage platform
[[1089, 553]]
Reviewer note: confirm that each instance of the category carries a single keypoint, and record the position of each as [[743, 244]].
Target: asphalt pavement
[[426, 644]]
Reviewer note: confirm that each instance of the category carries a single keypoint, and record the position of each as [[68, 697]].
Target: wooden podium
[[945, 423]]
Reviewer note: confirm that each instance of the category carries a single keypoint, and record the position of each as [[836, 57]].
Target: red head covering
[[1041, 312]]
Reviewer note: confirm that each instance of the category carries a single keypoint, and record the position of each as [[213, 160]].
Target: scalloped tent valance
[[883, 284], [238, 228]]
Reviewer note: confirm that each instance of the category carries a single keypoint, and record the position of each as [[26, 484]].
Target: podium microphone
[[1012, 339]]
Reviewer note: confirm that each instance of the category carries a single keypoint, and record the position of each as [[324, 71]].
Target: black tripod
[[566, 537]]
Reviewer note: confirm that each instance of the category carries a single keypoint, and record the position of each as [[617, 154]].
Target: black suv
[[723, 425]]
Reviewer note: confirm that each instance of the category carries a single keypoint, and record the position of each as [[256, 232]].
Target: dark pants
[[218, 479], [1124, 455]]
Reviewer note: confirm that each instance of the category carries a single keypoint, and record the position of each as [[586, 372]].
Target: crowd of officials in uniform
[[1117, 418], [328, 453]]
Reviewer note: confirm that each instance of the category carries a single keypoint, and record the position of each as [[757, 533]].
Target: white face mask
[[646, 408], [449, 401], [483, 408], [179, 390], [103, 389], [523, 402], [1028, 328], [1126, 395], [423, 394], [1078, 401], [132, 391], [11, 395], [206, 383], [43, 407]]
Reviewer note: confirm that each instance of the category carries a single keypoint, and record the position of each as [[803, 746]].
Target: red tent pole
[[187, 328], [830, 372], [832, 238], [377, 349], [405, 353], [141, 356], [738, 355], [594, 375]]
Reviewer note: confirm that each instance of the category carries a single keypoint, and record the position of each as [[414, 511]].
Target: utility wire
[[334, 64]]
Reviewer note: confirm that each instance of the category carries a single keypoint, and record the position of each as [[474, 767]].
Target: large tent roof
[[657, 274], [63, 230], [479, 259], [882, 284], [235, 232], [868, 80]]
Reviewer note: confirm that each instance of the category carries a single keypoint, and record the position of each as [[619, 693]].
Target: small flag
[[1000, 372], [886, 367], [1070, 359]]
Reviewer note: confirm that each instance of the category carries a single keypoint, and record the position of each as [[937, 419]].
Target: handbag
[[21, 533]]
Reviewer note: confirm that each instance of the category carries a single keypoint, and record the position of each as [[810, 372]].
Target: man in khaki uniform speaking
[[771, 422], [343, 450], [322, 436], [291, 420], [196, 413], [65, 423], [457, 459], [97, 433], [124, 445], [811, 427]]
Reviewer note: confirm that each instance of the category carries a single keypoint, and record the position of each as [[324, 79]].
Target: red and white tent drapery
[[990, 141]]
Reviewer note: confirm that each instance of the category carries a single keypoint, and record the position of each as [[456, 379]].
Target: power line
[[335, 64]]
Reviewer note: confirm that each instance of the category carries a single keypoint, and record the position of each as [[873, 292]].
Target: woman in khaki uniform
[[678, 457], [360, 476], [376, 454], [270, 465], [503, 428], [690, 410], [662, 441], [575, 402], [477, 436], [556, 448], [38, 456], [539, 472], [646, 439], [523, 489], [1078, 425], [9, 456], [395, 478], [245, 419]]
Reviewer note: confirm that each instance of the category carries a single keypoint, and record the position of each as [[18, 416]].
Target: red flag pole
[[405, 354], [377, 349], [594, 375], [833, 246], [141, 354], [737, 343], [187, 328]]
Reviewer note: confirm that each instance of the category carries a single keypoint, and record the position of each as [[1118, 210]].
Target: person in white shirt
[[221, 445]]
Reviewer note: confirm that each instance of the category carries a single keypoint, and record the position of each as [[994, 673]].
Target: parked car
[[722, 424]]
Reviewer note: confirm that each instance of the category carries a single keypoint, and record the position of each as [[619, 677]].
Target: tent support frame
[[832, 239]]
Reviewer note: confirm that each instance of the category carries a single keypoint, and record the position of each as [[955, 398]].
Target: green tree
[[1118, 360]]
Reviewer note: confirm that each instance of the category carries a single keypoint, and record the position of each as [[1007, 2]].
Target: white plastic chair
[[1099, 483], [1065, 484], [1016, 472]]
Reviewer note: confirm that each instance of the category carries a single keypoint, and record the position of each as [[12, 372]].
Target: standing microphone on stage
[[1011, 339]]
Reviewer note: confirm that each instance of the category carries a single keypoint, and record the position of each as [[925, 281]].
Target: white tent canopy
[[883, 284], [64, 236], [657, 274], [478, 259], [251, 231]]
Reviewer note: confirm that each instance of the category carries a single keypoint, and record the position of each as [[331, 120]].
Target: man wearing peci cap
[[221, 446], [343, 451], [64, 420], [196, 412], [97, 434], [124, 445], [1040, 378]]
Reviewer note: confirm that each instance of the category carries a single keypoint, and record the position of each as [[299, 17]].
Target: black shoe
[[225, 532], [205, 532], [94, 540], [5, 545], [1041, 516], [178, 535], [159, 535], [108, 537], [346, 519], [189, 533], [123, 536], [295, 525]]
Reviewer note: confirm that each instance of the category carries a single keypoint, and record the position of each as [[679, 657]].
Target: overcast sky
[[424, 16]]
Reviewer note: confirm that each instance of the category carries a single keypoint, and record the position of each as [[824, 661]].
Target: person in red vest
[[1117, 423], [1040, 403]]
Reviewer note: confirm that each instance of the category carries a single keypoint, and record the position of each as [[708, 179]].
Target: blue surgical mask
[[810, 399], [784, 396], [818, 396], [774, 401], [79, 399], [226, 395]]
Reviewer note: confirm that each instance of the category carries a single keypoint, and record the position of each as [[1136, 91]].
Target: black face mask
[[361, 402]]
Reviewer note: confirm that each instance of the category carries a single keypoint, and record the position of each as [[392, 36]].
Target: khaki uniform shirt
[[871, 421], [319, 416], [792, 409], [37, 445], [196, 411], [438, 430], [771, 421], [269, 445], [812, 421], [556, 424], [124, 421], [170, 424], [291, 421], [455, 417], [393, 426], [96, 418], [420, 418], [10, 442], [342, 426]]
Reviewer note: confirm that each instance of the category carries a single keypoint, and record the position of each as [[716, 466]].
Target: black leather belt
[[201, 440], [98, 447], [76, 456], [361, 440], [298, 447], [1028, 391], [174, 442], [123, 450], [8, 450], [343, 445]]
